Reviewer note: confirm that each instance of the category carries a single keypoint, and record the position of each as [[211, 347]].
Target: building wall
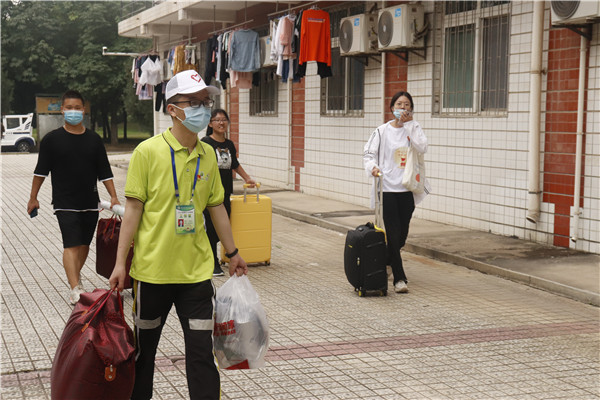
[[477, 166], [589, 228]]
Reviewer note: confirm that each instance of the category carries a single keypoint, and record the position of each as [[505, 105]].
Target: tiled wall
[[589, 225], [477, 166]]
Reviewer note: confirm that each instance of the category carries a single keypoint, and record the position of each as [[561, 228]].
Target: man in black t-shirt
[[76, 159]]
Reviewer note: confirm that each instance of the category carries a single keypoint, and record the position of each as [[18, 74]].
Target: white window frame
[[474, 17]]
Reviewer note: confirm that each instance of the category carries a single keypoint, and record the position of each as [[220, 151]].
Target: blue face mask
[[398, 113], [73, 117], [196, 119]]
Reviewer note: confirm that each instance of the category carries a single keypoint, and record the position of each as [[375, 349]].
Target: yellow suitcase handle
[[247, 185]]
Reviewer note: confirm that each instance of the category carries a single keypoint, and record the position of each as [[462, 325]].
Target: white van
[[17, 132]]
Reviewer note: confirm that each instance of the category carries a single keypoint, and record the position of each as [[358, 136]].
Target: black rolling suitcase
[[365, 255]]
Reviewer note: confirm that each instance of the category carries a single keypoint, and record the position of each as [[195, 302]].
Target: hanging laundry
[[315, 40], [244, 51], [167, 71], [223, 60], [171, 60], [152, 71], [161, 101], [210, 69], [281, 46], [219, 57], [285, 31], [178, 60], [190, 54], [243, 80], [144, 92]]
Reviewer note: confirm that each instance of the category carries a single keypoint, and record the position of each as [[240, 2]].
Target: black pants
[[194, 304], [398, 208], [210, 228]]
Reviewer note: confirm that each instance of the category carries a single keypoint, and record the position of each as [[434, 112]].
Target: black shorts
[[77, 228]]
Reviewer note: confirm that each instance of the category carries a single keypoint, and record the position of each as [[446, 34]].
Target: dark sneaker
[[218, 271]]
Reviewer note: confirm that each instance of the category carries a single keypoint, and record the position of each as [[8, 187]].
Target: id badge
[[185, 219]]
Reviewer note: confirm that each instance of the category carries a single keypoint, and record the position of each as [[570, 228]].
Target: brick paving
[[458, 334]]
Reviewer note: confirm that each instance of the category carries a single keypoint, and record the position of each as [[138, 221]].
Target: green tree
[[49, 46], [7, 92]]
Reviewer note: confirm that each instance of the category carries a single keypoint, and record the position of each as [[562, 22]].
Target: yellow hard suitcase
[[251, 219]]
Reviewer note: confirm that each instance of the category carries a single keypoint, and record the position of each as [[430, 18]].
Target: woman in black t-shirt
[[216, 136]]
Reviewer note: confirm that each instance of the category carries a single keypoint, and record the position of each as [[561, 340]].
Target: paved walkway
[[561, 271], [458, 334], [570, 273]]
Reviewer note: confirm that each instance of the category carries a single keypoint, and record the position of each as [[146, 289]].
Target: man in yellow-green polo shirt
[[171, 179]]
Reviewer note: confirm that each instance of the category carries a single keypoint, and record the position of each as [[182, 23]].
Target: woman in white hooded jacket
[[385, 156]]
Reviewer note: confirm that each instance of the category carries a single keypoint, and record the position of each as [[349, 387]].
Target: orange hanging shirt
[[315, 37]]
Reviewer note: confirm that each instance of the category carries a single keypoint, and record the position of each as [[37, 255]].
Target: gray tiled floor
[[458, 334]]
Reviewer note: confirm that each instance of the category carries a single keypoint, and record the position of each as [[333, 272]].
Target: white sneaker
[[75, 294], [401, 287]]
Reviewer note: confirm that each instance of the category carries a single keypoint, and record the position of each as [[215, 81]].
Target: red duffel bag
[[95, 355], [107, 241]]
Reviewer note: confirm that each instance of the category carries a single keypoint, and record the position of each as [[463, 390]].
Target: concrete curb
[[580, 295]]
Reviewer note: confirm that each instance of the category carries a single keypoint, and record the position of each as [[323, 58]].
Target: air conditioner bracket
[[403, 54], [364, 58], [578, 29]]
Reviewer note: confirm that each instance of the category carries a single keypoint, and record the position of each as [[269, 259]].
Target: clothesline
[[113, 53], [287, 10], [180, 41], [230, 27]]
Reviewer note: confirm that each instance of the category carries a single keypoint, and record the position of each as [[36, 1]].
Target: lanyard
[[175, 175]]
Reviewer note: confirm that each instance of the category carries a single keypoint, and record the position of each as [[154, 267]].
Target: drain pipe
[[535, 100], [383, 61], [579, 146]]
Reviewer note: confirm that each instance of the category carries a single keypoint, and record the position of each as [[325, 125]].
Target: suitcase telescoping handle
[[379, 201], [246, 186]]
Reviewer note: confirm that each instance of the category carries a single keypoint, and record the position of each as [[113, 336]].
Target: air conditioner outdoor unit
[[566, 12], [357, 35], [265, 52], [401, 26]]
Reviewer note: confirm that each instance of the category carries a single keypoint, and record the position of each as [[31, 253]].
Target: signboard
[[51, 104]]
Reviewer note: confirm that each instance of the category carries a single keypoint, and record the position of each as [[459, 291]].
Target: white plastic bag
[[241, 334], [414, 172]]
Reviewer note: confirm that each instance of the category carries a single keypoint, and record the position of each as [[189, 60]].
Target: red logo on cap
[[196, 77]]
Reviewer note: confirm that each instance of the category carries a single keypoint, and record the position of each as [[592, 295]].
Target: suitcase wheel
[[267, 263], [361, 293], [383, 293]]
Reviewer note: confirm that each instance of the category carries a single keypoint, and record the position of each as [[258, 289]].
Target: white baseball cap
[[186, 82]]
